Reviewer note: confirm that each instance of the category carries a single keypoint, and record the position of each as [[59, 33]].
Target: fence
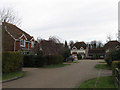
[[117, 78]]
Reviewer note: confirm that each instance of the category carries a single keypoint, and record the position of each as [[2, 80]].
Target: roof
[[15, 31], [78, 45], [96, 51], [111, 44]]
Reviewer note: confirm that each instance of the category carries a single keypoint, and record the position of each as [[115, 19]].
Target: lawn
[[12, 75], [102, 82], [55, 66], [102, 62], [103, 66]]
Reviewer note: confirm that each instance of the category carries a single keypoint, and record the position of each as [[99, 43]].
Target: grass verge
[[11, 75], [102, 62], [103, 82], [55, 66], [103, 66]]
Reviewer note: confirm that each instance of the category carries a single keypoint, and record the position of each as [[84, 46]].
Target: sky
[[77, 20]]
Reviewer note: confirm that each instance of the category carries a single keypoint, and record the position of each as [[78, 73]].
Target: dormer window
[[32, 44], [81, 48], [22, 42]]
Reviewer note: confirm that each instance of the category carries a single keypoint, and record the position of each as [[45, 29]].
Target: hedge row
[[40, 60], [11, 62]]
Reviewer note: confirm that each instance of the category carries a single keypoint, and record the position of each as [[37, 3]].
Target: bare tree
[[71, 43], [109, 37], [55, 39], [8, 15]]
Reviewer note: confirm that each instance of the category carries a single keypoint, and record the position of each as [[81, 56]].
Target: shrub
[[79, 56], [115, 64], [113, 55], [11, 62]]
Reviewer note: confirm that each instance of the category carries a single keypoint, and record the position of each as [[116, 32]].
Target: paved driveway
[[65, 77]]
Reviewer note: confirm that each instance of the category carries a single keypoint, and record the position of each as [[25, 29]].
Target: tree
[[109, 37], [100, 44], [66, 45], [9, 16], [54, 39], [71, 43]]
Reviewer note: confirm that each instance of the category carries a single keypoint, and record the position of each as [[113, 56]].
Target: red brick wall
[[17, 45], [7, 41]]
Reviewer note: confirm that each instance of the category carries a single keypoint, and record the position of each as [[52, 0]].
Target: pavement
[[70, 76]]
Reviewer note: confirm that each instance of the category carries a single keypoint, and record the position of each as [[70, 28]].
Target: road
[[64, 77]]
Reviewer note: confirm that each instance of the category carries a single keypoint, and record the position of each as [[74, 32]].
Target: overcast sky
[[78, 20]]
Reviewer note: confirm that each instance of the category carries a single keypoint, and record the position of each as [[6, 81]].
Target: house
[[15, 39], [111, 45], [79, 48], [96, 53]]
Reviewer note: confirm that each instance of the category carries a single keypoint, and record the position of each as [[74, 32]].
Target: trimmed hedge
[[53, 59], [11, 62], [40, 60]]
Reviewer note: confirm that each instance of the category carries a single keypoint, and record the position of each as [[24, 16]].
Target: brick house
[[79, 48], [15, 39]]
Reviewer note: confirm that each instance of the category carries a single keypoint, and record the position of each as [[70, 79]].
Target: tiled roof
[[111, 44], [15, 31], [78, 45], [96, 51]]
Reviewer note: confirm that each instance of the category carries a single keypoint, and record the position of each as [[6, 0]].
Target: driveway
[[65, 77]]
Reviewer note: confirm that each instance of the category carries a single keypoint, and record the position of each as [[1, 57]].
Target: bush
[[79, 56], [115, 64], [113, 55], [11, 62]]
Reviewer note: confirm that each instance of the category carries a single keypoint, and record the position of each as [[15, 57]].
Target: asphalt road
[[64, 77]]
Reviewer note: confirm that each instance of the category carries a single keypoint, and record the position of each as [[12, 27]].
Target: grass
[[103, 66], [11, 75], [103, 82], [55, 66]]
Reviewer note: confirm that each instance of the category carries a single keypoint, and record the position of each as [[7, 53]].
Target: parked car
[[70, 58]]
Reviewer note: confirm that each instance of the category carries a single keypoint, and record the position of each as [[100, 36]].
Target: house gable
[[23, 37]]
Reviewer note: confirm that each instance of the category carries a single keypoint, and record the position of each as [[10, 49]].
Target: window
[[22, 43], [32, 44]]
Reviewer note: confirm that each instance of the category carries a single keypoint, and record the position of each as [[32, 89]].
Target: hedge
[[53, 59], [41, 60], [11, 62]]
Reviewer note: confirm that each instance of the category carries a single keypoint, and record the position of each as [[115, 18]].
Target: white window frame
[[32, 44], [22, 45]]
